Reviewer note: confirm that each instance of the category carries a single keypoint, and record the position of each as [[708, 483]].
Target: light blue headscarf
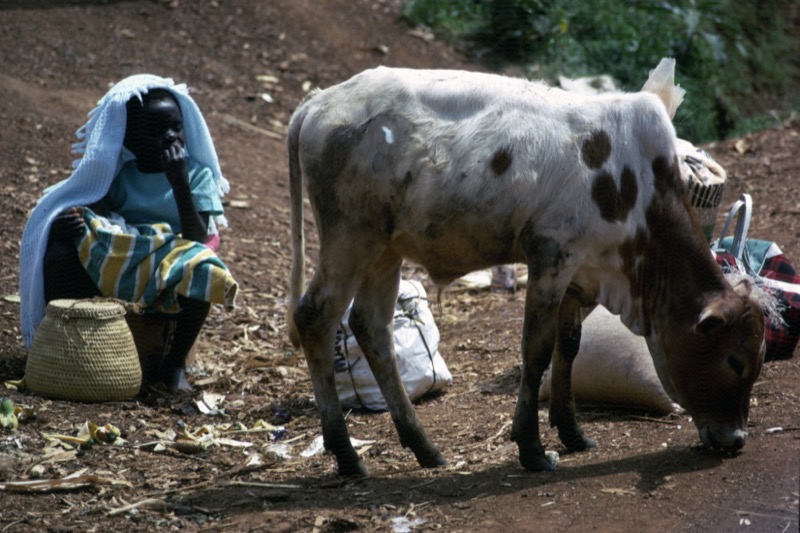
[[102, 156]]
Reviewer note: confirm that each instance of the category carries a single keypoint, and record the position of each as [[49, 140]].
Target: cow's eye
[[736, 365]]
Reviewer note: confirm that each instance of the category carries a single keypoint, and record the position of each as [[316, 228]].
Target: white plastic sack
[[416, 340], [613, 366]]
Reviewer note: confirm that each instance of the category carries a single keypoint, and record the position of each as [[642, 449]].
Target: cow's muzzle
[[730, 440]]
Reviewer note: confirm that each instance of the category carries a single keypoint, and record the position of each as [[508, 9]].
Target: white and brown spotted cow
[[460, 171]]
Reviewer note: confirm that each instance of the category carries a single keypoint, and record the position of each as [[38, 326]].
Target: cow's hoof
[[577, 441], [353, 469], [431, 459], [581, 445], [539, 462]]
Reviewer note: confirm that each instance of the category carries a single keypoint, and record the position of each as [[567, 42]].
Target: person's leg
[[64, 275], [189, 322]]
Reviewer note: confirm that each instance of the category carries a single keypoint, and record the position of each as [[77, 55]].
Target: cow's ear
[[743, 288], [712, 318]]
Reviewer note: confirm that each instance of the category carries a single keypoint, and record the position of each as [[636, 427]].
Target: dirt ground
[[648, 473]]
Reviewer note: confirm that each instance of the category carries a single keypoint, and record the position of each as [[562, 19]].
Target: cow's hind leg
[[371, 320], [317, 317], [562, 402]]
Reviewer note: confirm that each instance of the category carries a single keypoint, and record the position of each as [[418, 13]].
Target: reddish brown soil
[[648, 473]]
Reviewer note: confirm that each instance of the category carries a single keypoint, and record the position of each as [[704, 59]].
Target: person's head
[[153, 124]]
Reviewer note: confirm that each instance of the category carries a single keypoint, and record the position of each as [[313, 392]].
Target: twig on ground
[[147, 502], [490, 439]]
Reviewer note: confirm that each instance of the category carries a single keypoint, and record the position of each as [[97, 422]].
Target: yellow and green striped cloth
[[150, 265]]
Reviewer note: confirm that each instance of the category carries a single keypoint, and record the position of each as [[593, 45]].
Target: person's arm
[[194, 225]]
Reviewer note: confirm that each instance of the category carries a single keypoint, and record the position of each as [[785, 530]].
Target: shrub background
[[738, 61]]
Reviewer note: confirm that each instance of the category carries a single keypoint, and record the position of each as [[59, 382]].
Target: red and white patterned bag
[[765, 262]]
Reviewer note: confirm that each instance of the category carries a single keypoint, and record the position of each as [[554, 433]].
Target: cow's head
[[713, 366]]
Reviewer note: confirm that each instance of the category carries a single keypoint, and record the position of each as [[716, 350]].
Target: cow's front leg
[[371, 321], [317, 317], [538, 336], [562, 401]]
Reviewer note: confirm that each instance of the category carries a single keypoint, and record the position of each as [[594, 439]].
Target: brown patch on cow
[[604, 194], [667, 176], [629, 190], [631, 250], [669, 187], [615, 204], [501, 161], [596, 149], [638, 257]]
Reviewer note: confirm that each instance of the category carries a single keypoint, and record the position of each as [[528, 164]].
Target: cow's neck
[[678, 276]]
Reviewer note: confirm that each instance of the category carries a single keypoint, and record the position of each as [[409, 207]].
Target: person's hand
[[173, 159], [68, 226]]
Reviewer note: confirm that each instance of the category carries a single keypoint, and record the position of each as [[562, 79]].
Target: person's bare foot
[[175, 379]]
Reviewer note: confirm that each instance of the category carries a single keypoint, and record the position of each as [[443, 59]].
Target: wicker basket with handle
[[84, 351]]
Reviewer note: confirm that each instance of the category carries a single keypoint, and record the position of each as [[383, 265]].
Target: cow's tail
[[298, 280], [662, 83]]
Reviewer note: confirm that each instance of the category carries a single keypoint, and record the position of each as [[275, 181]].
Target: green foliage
[[454, 19], [729, 53]]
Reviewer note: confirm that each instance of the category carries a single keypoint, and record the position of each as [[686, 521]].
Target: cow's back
[[455, 166]]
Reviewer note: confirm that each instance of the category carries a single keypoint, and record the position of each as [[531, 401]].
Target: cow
[[459, 171]]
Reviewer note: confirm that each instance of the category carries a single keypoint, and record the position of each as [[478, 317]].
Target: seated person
[[136, 220]]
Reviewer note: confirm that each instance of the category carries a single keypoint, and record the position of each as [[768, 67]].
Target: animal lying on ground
[[461, 171]]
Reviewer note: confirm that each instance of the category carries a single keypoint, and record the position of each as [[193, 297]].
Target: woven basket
[[84, 351], [706, 199], [706, 180]]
